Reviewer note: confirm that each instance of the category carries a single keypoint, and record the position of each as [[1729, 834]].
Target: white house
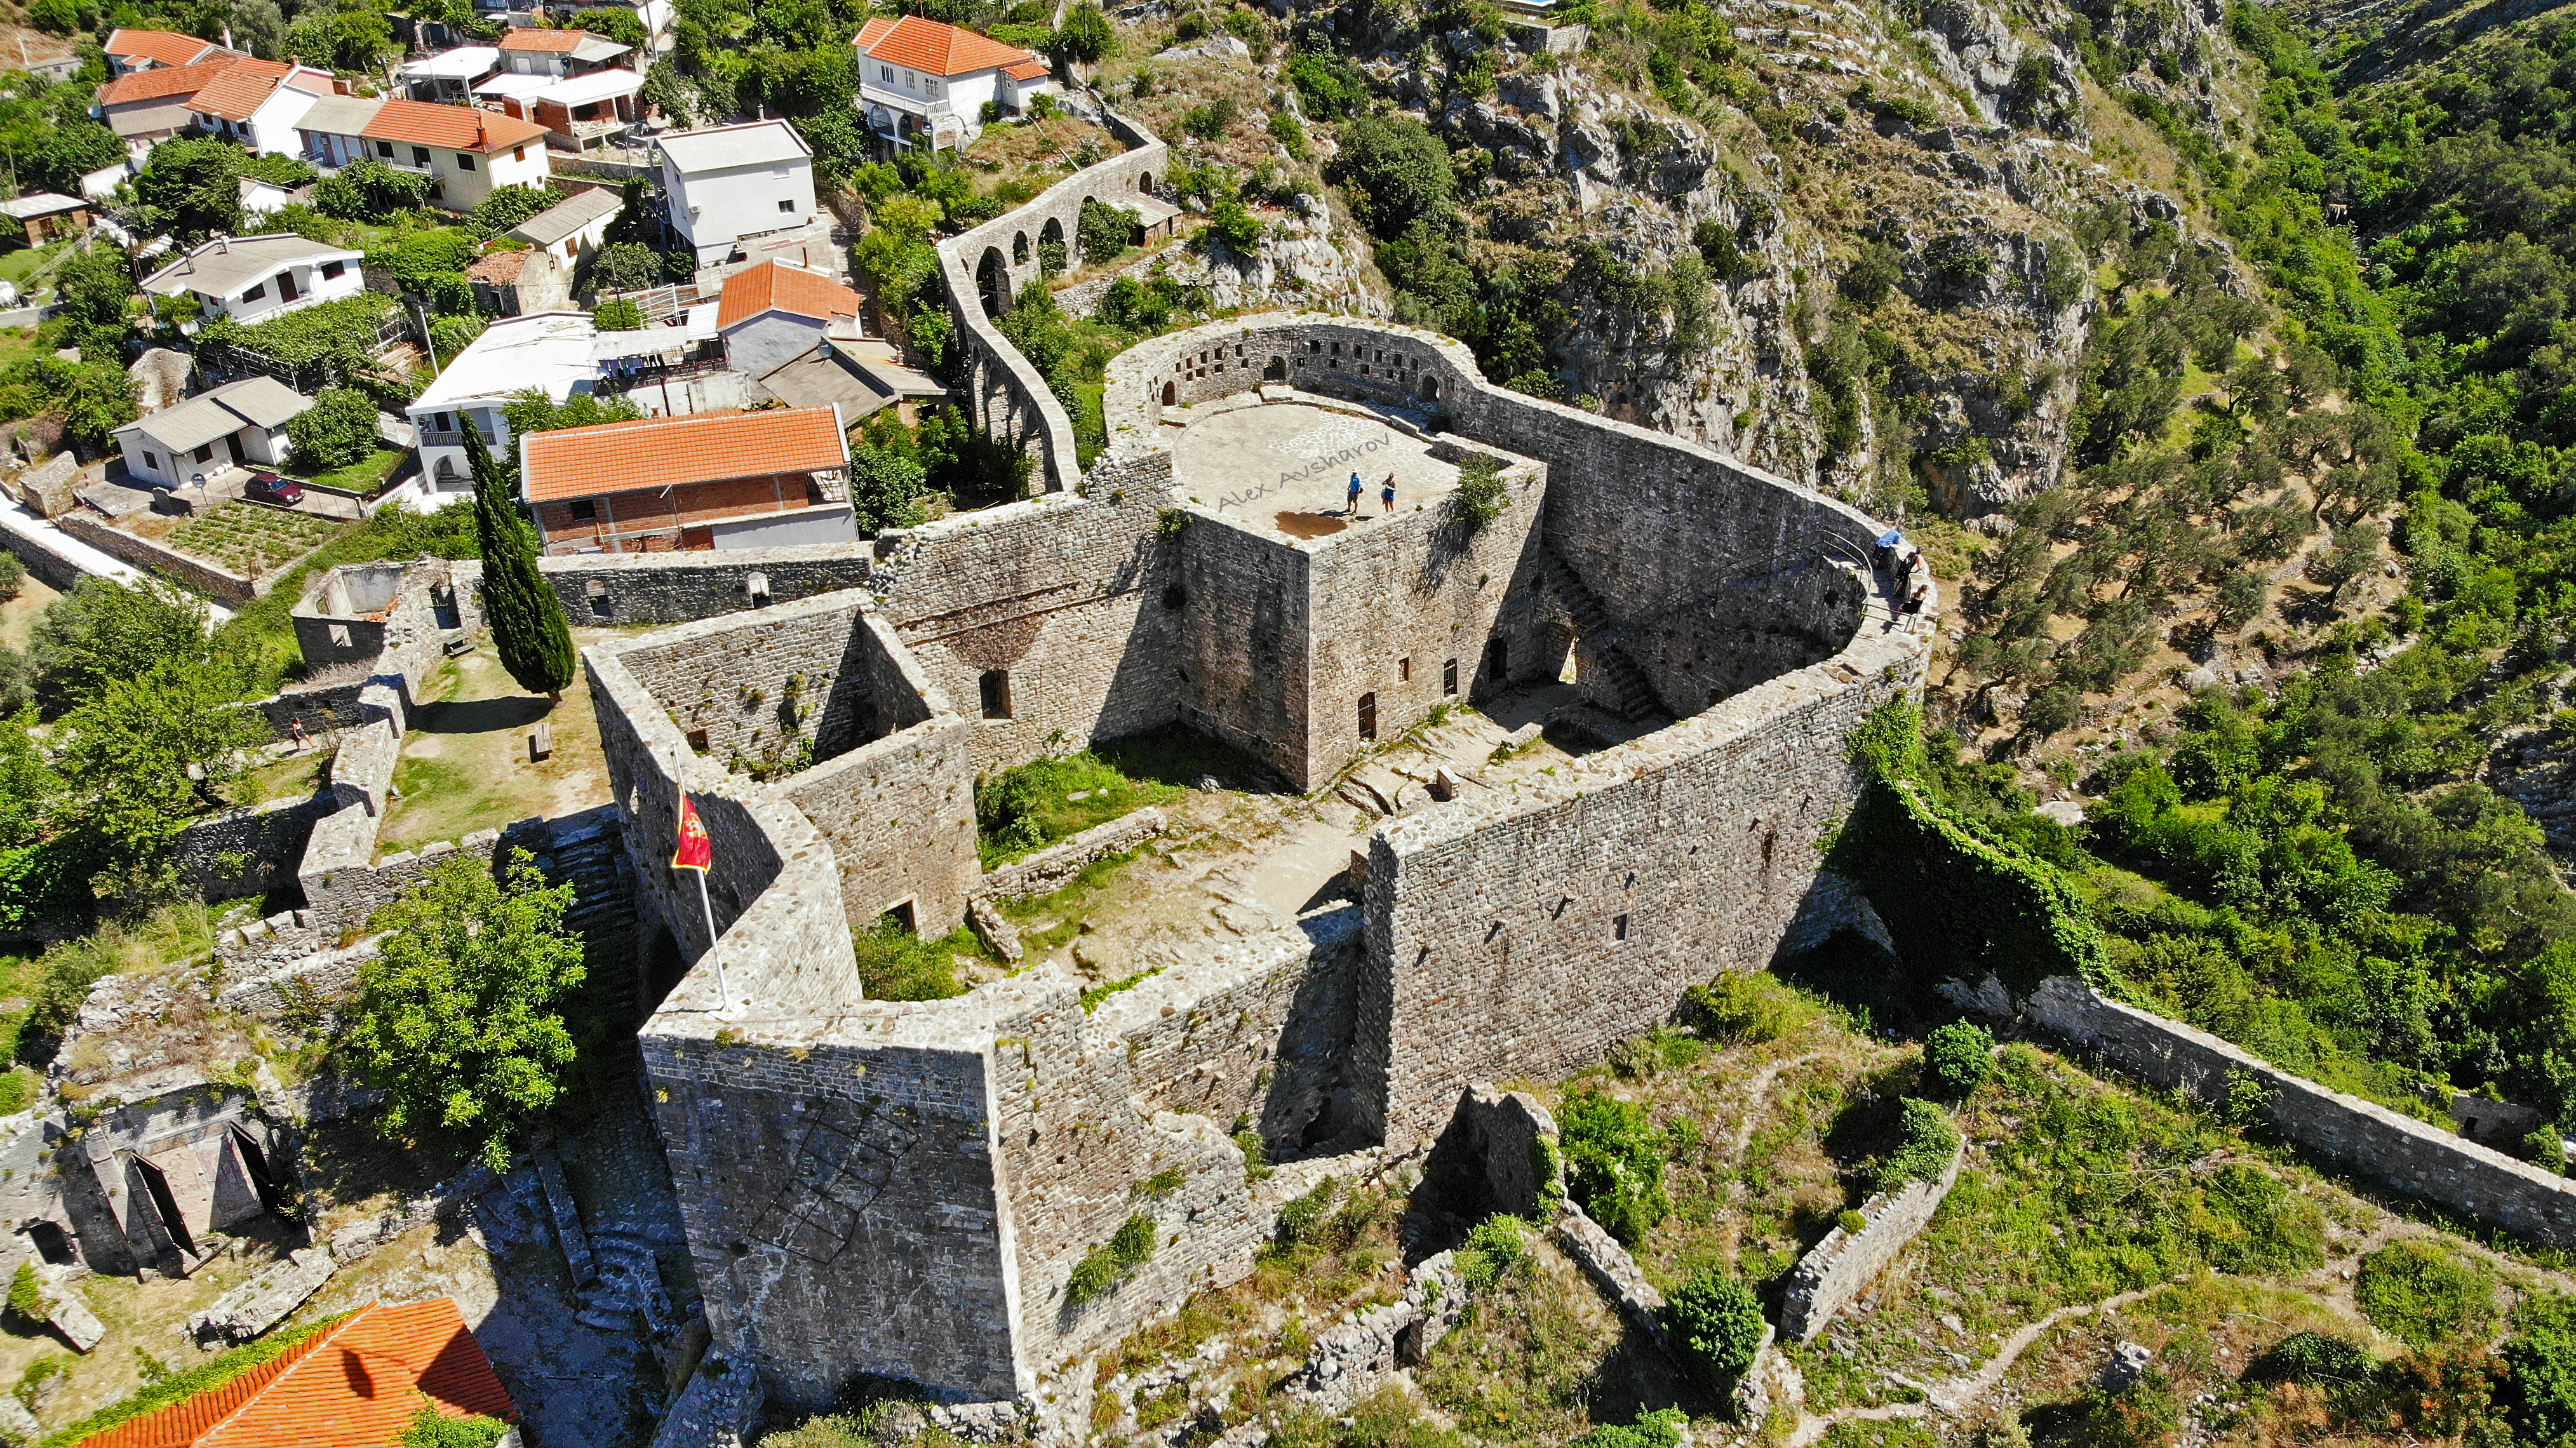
[[468, 153], [449, 75], [573, 227], [334, 130], [250, 278], [726, 184], [240, 422], [925, 83], [258, 110], [547, 351]]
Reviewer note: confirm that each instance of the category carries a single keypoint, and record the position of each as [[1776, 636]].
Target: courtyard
[[1284, 467]]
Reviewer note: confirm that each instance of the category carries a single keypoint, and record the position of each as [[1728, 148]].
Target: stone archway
[[1145, 182], [993, 281], [1277, 371], [1171, 392], [1020, 249], [1051, 252]]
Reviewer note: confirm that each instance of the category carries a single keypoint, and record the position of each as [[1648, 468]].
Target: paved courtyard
[[1285, 468]]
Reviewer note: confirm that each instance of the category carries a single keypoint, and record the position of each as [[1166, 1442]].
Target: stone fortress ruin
[[905, 1188]]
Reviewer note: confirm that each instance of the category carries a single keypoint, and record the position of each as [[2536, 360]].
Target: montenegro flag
[[697, 850]]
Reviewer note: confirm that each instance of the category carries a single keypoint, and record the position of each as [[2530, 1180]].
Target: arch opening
[[993, 281]]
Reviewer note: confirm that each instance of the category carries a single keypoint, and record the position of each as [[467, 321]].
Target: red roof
[[1026, 70], [243, 88], [778, 287], [560, 42], [660, 452], [161, 47], [356, 1384], [934, 47], [163, 82], [458, 128]]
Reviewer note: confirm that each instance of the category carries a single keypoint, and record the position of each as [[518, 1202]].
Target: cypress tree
[[527, 622]]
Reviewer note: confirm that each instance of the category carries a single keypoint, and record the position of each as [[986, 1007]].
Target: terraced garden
[[251, 540]]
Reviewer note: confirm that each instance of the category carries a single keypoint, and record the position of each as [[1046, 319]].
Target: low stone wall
[[1051, 867], [1836, 1269], [143, 553], [1351, 1360], [342, 897], [2415, 1157], [637, 588], [307, 987], [265, 841]]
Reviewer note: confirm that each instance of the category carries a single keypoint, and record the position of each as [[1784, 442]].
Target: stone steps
[[1595, 625]]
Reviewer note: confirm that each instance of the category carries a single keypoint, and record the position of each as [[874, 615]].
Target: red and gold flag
[[697, 849]]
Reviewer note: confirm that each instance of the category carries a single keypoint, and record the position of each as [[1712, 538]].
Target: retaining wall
[[1837, 1269], [1036, 874], [269, 837], [2414, 1157], [145, 554]]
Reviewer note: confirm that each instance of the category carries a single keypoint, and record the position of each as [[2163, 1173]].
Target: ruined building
[[904, 1189]]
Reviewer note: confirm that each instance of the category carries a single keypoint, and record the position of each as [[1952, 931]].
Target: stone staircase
[[627, 1286], [1594, 625], [587, 849]]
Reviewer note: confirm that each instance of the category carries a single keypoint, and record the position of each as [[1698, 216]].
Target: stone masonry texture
[[905, 1188], [1837, 1269], [2415, 1157]]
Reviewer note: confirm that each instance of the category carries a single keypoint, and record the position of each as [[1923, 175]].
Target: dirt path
[[1757, 1093]]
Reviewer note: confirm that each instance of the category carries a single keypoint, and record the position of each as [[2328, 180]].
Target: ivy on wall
[[1959, 904]]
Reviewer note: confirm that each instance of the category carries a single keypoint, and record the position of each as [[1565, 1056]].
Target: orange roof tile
[[163, 82], [243, 88], [626, 457], [777, 287], [936, 48], [1027, 70], [561, 42], [357, 1384], [161, 47], [873, 31], [458, 128], [495, 267]]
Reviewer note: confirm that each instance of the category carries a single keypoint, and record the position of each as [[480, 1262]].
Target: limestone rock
[[995, 931], [67, 1313], [264, 1301], [2128, 1364], [16, 1423], [2068, 812]]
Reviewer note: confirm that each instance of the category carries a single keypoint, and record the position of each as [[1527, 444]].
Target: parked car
[[270, 488]]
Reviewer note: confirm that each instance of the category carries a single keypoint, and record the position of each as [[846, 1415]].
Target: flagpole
[[724, 995]]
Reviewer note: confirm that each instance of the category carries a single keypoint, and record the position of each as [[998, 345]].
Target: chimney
[[223, 246], [228, 36]]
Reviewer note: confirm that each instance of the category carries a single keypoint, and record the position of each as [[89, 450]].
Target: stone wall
[[1060, 594], [639, 588], [900, 816], [1837, 1269], [264, 841], [1243, 638], [170, 563], [1526, 932], [1044, 870], [2415, 1157], [745, 685]]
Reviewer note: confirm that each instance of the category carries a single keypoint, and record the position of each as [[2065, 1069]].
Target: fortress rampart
[[906, 1188]]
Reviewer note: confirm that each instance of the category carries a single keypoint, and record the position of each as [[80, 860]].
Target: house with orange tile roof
[[923, 82], [725, 185], [776, 312], [468, 153], [767, 479], [358, 1383], [131, 50], [152, 105], [259, 103]]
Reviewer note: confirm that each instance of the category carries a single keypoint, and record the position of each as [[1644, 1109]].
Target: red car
[[270, 488]]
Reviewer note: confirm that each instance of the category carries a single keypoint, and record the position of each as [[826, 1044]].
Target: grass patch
[[2423, 1295], [896, 965], [393, 533], [251, 540], [365, 477], [296, 776], [1019, 811]]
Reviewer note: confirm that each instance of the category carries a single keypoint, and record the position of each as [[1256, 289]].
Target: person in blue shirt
[[1386, 494], [1354, 509]]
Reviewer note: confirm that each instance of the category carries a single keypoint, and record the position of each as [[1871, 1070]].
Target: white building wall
[[311, 289], [463, 190], [715, 209], [137, 448], [272, 126]]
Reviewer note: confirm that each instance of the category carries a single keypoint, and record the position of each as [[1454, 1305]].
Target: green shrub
[[26, 1298], [431, 1428], [1495, 1247], [1301, 1220], [1924, 1145], [1614, 1164], [1958, 1057], [1752, 1006], [1718, 1324], [1481, 496], [2423, 1295], [2315, 1359], [618, 314], [1104, 1267], [1661, 1428], [896, 965], [2540, 1364]]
